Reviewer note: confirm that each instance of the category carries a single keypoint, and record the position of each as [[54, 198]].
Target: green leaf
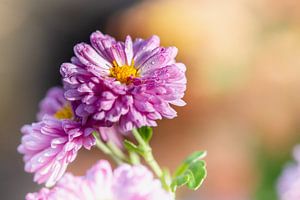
[[191, 173], [179, 181], [198, 155], [146, 133], [197, 173]]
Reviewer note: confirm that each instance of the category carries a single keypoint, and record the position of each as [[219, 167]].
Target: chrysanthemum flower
[[54, 104], [289, 182], [129, 83], [101, 183], [52, 143]]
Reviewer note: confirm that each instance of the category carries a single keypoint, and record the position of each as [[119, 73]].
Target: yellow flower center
[[65, 112], [123, 73]]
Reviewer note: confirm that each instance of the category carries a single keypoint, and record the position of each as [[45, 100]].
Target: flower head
[[54, 104], [129, 83], [289, 182], [101, 183], [52, 143]]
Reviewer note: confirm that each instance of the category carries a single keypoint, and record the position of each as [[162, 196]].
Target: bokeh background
[[243, 94]]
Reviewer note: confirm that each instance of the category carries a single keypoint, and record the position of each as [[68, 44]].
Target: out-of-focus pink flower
[[131, 83], [137, 183], [52, 143], [101, 183], [52, 103], [289, 182]]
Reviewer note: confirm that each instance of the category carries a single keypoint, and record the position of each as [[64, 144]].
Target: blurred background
[[243, 67]]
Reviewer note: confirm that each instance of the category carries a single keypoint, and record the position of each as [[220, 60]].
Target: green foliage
[[146, 133], [191, 172], [196, 156]]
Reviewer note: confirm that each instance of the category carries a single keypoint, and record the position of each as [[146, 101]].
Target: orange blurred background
[[243, 67]]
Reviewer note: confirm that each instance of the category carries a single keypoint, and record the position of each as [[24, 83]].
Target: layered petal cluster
[[131, 83], [52, 143], [102, 183], [289, 182]]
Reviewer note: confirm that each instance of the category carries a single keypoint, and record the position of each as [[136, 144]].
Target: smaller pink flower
[[52, 143], [101, 183], [52, 103]]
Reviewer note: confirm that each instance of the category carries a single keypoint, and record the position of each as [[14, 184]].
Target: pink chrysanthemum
[[52, 143], [101, 183], [129, 83], [289, 182], [53, 103]]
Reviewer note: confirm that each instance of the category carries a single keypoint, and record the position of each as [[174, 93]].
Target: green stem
[[117, 151], [134, 158], [147, 154], [150, 160], [106, 150]]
